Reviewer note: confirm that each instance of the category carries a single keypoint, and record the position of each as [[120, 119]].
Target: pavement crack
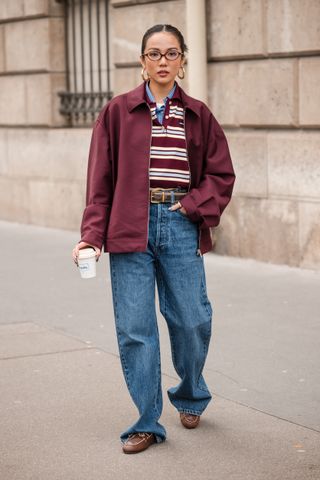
[[224, 375], [14, 357], [266, 413]]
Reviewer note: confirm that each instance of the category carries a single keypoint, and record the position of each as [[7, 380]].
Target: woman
[[159, 176]]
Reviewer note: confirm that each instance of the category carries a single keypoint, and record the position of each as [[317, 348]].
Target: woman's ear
[[142, 61]]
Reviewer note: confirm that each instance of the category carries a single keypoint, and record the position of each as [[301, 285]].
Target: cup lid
[[87, 252]]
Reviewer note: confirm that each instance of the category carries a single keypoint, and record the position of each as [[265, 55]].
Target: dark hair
[[164, 28]]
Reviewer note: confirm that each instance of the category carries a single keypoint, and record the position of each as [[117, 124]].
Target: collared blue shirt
[[160, 109]]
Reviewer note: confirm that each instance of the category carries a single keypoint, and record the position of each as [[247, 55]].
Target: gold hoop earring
[[142, 75], [183, 73]]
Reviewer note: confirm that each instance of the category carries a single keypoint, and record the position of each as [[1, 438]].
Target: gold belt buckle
[[155, 190]]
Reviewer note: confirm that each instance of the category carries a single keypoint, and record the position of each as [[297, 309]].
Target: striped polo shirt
[[169, 167]]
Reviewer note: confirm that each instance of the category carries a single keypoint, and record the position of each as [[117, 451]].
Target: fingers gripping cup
[[87, 262]]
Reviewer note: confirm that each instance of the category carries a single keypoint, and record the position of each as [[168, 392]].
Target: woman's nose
[[163, 61]]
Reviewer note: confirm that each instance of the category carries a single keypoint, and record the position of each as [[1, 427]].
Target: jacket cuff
[[91, 241], [94, 224]]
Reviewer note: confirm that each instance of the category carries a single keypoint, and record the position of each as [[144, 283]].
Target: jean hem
[[159, 439], [189, 410]]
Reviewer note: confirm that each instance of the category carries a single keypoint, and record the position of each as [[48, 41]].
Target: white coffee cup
[[87, 262]]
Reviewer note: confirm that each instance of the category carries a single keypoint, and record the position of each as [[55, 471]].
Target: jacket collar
[[136, 97]]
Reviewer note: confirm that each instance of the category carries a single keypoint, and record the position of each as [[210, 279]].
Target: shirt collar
[[172, 94]]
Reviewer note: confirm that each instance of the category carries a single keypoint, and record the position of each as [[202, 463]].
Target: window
[[87, 60]]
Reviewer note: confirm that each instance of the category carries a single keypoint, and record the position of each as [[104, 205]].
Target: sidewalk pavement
[[63, 398]]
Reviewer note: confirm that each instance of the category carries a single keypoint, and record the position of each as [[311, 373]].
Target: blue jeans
[[172, 261]]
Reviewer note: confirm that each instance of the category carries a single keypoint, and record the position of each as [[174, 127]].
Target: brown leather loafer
[[137, 442], [188, 420]]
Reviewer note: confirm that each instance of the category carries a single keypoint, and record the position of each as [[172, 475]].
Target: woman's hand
[[79, 246], [178, 205]]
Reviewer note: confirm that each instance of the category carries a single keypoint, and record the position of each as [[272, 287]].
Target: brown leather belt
[[166, 195]]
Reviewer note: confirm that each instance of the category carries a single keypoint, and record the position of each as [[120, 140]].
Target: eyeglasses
[[155, 55]]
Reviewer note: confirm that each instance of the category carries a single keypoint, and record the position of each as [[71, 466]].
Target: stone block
[[42, 99], [126, 79], [12, 100], [25, 8], [309, 224], [227, 234], [44, 154], [309, 95], [223, 91], [3, 151], [35, 44], [293, 164], [14, 199], [54, 8], [57, 84], [11, 9], [64, 166], [121, 3], [2, 49], [29, 153], [267, 230], [38, 99], [126, 41], [27, 45], [36, 7], [236, 28], [267, 95], [56, 204], [249, 155], [57, 47], [257, 92], [293, 26], [31, 99]]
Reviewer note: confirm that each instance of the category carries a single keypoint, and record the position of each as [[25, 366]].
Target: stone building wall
[[264, 77], [42, 164], [264, 86]]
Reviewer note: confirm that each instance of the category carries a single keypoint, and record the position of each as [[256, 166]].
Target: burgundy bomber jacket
[[117, 196]]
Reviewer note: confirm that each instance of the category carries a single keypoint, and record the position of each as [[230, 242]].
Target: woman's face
[[163, 71]]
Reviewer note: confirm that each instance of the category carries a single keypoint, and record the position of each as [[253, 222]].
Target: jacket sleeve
[[206, 202], [99, 185]]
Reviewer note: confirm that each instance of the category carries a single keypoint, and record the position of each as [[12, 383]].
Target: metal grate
[[87, 59]]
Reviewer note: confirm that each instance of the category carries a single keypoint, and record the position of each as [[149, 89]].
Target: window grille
[[87, 59]]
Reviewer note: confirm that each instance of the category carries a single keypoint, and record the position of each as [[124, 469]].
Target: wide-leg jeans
[[171, 261]]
